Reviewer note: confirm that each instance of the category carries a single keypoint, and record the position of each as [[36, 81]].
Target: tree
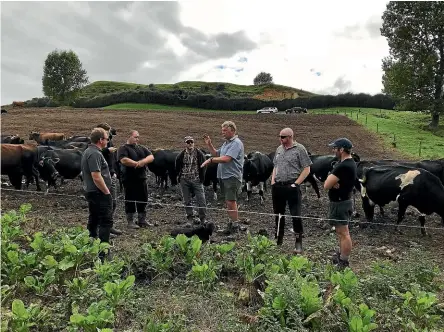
[[263, 78], [63, 76], [414, 70]]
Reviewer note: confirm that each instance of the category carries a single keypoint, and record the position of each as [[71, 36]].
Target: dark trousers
[[100, 215], [136, 191], [281, 194]]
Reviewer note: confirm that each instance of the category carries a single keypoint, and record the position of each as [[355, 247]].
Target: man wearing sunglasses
[[191, 177], [291, 167], [97, 184], [134, 158]]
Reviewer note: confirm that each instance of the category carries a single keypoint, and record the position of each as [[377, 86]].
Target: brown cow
[[25, 159], [18, 104], [43, 137]]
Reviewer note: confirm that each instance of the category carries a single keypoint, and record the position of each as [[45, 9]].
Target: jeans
[[281, 194], [188, 188], [136, 191], [100, 215]]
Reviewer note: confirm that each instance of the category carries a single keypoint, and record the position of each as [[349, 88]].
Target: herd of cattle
[[417, 184]]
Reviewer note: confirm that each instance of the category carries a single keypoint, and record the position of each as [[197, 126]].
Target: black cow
[[66, 144], [202, 231], [211, 176], [257, 170], [78, 138], [4, 111], [404, 185], [12, 139], [69, 164], [23, 159], [164, 166]]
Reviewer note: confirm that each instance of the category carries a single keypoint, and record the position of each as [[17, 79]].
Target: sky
[[326, 47]]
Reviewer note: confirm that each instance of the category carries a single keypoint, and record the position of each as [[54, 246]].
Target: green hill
[[262, 92]]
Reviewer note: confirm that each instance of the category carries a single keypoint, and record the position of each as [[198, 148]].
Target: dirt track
[[258, 132]]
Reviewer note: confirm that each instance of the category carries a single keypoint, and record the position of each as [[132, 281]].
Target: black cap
[[341, 143]]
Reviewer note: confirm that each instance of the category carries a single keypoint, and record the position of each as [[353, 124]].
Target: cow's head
[[250, 170], [356, 157], [34, 134], [48, 171]]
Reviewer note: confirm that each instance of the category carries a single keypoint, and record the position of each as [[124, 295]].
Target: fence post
[[357, 116], [377, 127], [420, 145], [366, 119]]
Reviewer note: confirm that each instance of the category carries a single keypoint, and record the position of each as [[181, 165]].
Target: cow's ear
[[56, 160]]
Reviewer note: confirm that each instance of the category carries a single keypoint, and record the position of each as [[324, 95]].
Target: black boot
[[115, 231], [141, 220], [298, 244], [130, 220]]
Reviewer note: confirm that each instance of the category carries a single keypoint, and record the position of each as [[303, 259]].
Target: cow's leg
[[249, 191], [369, 211], [401, 212], [35, 174], [261, 192], [381, 211], [422, 222], [314, 184], [16, 180], [215, 190]]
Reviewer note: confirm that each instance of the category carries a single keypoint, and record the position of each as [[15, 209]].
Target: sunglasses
[[283, 137], [189, 142], [105, 138]]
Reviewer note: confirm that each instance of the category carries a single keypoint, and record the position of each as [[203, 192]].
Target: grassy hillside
[[406, 131], [159, 107], [264, 92]]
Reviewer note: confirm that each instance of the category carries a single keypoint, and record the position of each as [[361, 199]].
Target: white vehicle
[[267, 110]]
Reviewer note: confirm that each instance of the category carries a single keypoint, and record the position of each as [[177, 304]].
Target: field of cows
[[66, 207], [167, 129]]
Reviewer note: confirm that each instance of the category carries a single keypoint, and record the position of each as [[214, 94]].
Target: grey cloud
[[112, 39], [341, 85], [370, 28]]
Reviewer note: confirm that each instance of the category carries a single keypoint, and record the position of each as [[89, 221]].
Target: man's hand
[[207, 139], [336, 186], [206, 162], [112, 149]]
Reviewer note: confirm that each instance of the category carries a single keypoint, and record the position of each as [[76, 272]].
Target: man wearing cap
[[340, 184], [191, 177], [230, 159], [291, 167]]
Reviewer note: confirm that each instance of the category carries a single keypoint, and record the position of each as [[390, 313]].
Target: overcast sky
[[320, 46]]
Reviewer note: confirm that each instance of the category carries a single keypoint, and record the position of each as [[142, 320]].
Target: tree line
[[413, 73], [219, 102]]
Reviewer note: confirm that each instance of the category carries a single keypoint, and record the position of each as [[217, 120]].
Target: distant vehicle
[[267, 110], [296, 110]]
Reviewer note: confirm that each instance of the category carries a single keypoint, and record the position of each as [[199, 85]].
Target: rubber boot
[[141, 220], [130, 220], [115, 231]]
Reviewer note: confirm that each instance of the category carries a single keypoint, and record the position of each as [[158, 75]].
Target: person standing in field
[[340, 185], [291, 167], [230, 160]]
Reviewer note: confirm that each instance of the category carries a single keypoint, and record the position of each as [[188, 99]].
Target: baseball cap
[[341, 143], [188, 138]]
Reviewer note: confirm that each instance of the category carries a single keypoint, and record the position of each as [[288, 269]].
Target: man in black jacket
[[191, 177]]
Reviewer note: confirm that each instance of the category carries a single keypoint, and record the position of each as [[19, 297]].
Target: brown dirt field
[[258, 132]]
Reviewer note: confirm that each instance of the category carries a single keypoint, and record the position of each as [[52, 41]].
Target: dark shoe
[[335, 257], [232, 227], [298, 245], [141, 220], [130, 220], [115, 231], [342, 264]]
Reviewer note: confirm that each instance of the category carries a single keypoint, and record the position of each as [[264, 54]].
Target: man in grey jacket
[[191, 177]]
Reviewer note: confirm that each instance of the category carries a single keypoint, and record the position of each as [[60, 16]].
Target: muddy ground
[[66, 206]]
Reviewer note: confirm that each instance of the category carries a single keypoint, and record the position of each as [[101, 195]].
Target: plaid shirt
[[190, 170]]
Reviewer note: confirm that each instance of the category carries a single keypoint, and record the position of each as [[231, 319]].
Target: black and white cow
[[257, 170], [405, 185]]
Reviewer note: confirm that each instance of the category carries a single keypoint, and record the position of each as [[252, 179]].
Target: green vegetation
[[158, 107], [54, 282], [406, 131], [232, 90], [414, 71]]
